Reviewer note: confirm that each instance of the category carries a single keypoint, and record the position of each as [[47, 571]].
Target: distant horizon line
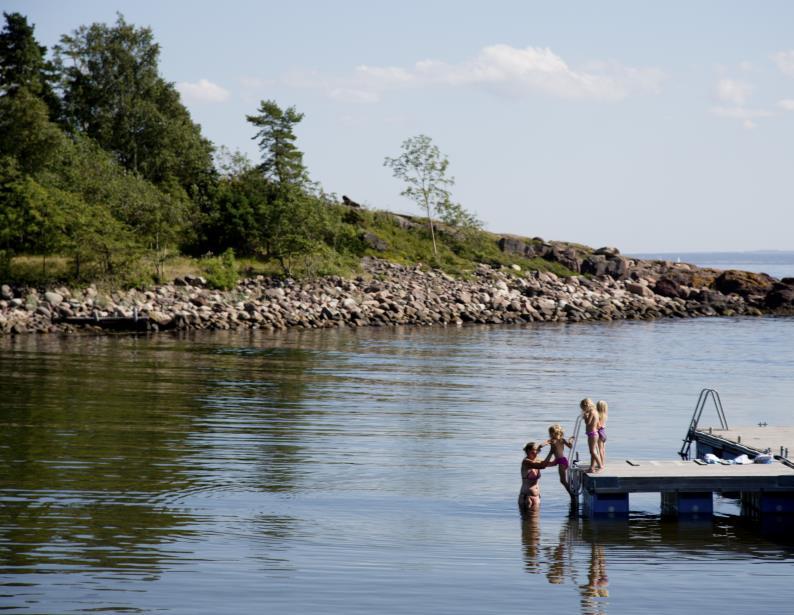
[[645, 252]]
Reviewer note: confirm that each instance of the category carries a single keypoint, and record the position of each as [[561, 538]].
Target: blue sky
[[648, 126]]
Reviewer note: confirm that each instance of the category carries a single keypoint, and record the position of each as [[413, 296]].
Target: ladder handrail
[[704, 396], [573, 472]]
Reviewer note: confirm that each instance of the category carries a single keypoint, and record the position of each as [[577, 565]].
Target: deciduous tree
[[423, 168], [114, 94]]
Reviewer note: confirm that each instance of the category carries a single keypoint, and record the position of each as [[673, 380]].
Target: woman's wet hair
[[532, 446]]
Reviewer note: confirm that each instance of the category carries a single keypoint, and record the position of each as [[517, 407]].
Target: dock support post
[[606, 504], [676, 503], [759, 503]]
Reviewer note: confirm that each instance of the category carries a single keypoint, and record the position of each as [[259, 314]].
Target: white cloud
[[203, 91], [354, 96], [787, 104], [740, 113], [746, 116], [785, 62], [499, 68], [256, 83], [732, 91]]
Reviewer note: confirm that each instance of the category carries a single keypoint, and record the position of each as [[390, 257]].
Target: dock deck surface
[[755, 438], [659, 476]]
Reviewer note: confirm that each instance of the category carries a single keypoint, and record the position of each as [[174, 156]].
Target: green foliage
[[32, 218], [456, 216], [423, 168], [230, 215], [290, 224], [221, 271], [111, 183], [282, 161], [23, 64], [26, 133], [114, 94]]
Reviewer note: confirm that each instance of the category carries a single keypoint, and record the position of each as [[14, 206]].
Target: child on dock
[[557, 444], [590, 417], [602, 408], [529, 496]]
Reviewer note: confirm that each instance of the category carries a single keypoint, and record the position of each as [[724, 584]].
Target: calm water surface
[[370, 471]]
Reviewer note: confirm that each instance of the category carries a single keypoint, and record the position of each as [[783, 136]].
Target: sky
[[652, 127]]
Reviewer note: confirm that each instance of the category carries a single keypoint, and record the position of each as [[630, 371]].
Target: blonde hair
[[587, 405], [602, 408], [556, 431]]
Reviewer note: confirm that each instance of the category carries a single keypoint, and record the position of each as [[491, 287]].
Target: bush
[[221, 271]]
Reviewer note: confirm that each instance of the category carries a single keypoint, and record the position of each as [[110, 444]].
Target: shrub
[[221, 271]]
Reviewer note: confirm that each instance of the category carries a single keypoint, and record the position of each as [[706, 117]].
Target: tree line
[[101, 162]]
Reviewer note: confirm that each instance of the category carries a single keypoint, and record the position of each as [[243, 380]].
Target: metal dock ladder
[[574, 472], [704, 396]]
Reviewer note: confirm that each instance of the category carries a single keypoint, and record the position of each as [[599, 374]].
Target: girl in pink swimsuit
[[529, 496], [557, 444], [603, 409], [590, 416]]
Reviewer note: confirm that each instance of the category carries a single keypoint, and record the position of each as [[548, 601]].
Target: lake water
[[372, 470], [778, 264]]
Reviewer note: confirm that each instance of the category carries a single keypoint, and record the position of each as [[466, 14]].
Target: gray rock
[[371, 240], [6, 292], [607, 251], [639, 289], [53, 298]]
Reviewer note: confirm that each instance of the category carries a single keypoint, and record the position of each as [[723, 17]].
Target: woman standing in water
[[529, 496]]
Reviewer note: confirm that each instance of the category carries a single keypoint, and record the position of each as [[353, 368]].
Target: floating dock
[[750, 441], [687, 487]]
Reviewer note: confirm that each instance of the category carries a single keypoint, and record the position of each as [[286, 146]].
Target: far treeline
[[105, 177]]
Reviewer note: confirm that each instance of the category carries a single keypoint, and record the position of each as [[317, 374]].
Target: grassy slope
[[408, 243]]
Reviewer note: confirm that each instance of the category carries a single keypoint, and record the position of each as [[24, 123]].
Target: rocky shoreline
[[387, 294]]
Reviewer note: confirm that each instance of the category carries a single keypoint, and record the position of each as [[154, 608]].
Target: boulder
[[667, 286], [403, 222], [514, 245], [607, 251], [617, 267], [6, 292], [743, 283], [639, 289], [595, 264], [567, 257], [781, 296], [350, 202], [371, 240]]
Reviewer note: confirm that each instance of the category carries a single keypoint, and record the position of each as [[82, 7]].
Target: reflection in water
[[597, 582], [559, 560], [579, 553]]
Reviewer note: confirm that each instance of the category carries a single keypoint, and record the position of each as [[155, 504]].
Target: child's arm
[[569, 442]]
